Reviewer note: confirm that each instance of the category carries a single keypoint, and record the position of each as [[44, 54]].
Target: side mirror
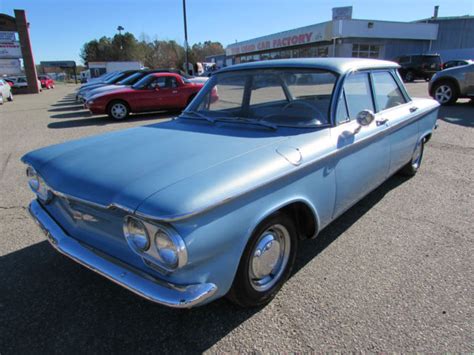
[[364, 118]]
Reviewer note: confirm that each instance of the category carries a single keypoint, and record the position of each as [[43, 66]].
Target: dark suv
[[418, 66]]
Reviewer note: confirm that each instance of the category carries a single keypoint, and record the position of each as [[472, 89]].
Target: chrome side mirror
[[364, 118]]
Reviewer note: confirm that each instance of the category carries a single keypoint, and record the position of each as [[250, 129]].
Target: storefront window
[[365, 50]]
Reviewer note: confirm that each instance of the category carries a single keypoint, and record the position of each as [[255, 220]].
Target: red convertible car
[[46, 82], [157, 91]]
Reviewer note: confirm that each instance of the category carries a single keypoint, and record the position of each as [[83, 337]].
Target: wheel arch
[[119, 99], [444, 79], [303, 213]]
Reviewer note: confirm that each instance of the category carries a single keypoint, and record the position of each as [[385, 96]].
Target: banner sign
[[59, 64], [10, 66], [7, 36], [10, 50], [299, 36]]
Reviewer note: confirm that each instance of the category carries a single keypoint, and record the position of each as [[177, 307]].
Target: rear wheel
[[118, 110], [445, 93], [1, 99], [266, 262], [10, 97], [411, 168], [409, 76]]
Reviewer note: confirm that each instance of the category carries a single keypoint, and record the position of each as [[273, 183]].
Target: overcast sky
[[59, 28]]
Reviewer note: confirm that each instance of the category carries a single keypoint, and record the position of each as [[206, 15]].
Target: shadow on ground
[[461, 113], [48, 303]]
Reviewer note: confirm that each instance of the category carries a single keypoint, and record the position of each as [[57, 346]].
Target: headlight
[[136, 234], [37, 185], [166, 252]]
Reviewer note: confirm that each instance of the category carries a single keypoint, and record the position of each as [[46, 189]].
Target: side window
[[341, 111], [358, 94], [170, 82], [387, 92], [159, 82]]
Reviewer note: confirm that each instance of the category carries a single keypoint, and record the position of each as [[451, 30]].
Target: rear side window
[[387, 92], [358, 94]]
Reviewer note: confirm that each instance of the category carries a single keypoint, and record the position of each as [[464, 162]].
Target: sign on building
[[10, 66], [10, 50], [342, 13], [7, 36]]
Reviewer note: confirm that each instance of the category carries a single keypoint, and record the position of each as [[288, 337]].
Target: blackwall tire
[[118, 110], [412, 167]]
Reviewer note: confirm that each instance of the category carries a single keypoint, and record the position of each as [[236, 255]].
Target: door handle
[[413, 108], [382, 121], [175, 91]]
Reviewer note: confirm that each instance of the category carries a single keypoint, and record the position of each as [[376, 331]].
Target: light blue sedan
[[215, 202]]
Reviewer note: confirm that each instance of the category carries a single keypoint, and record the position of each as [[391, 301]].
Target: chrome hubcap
[[443, 94], [415, 162], [269, 257], [119, 111]]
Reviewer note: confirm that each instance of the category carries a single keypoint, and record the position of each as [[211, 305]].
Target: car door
[[395, 110], [149, 98], [170, 93], [362, 155]]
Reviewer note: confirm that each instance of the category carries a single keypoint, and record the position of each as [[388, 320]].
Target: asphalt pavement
[[394, 273]]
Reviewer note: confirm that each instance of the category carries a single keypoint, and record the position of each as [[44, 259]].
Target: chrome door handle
[[175, 91], [413, 108], [381, 121]]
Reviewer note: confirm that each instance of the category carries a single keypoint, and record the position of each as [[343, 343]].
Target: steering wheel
[[307, 104], [304, 103]]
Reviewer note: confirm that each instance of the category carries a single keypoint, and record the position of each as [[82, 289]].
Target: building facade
[[362, 38]]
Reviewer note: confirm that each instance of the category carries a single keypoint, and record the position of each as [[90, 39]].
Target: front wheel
[[411, 168], [10, 97], [409, 76], [266, 262], [118, 110], [445, 93]]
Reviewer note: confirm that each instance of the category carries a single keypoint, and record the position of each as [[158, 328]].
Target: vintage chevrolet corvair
[[215, 202]]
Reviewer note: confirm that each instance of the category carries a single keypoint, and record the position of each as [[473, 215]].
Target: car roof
[[337, 65]]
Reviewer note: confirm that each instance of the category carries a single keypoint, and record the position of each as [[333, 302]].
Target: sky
[[59, 28]]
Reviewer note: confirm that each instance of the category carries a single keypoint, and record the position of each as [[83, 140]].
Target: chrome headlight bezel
[[154, 256], [133, 238], [38, 186]]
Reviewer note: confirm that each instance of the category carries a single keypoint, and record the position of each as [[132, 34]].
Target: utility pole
[[186, 63]]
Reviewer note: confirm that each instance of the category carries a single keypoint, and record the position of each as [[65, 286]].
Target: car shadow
[[50, 304], [102, 120], [69, 107], [461, 113]]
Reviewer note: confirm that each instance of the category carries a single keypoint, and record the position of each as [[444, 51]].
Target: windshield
[[279, 97], [132, 79], [144, 82], [118, 77]]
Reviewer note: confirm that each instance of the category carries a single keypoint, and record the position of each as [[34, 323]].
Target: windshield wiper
[[198, 115], [250, 121]]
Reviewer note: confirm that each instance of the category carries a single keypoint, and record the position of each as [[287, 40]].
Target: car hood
[[127, 167], [104, 89]]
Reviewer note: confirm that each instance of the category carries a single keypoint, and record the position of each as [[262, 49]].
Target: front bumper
[[144, 285]]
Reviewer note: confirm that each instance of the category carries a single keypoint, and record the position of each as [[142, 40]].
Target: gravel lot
[[394, 273]]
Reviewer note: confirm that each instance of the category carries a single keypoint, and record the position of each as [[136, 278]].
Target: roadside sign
[[10, 50], [10, 66], [7, 36]]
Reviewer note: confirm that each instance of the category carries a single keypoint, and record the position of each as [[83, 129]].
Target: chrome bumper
[[142, 284]]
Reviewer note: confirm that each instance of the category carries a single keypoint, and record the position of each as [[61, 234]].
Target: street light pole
[[186, 64]]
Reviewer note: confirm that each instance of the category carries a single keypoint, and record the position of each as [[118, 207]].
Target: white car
[[5, 91], [22, 82]]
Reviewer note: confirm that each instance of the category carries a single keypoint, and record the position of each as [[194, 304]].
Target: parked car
[[129, 81], [420, 66], [5, 92], [82, 92], [216, 201], [46, 82], [9, 81], [158, 91], [451, 84], [19, 82]]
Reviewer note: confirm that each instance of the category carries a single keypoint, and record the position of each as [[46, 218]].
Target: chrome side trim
[[320, 160], [140, 283]]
